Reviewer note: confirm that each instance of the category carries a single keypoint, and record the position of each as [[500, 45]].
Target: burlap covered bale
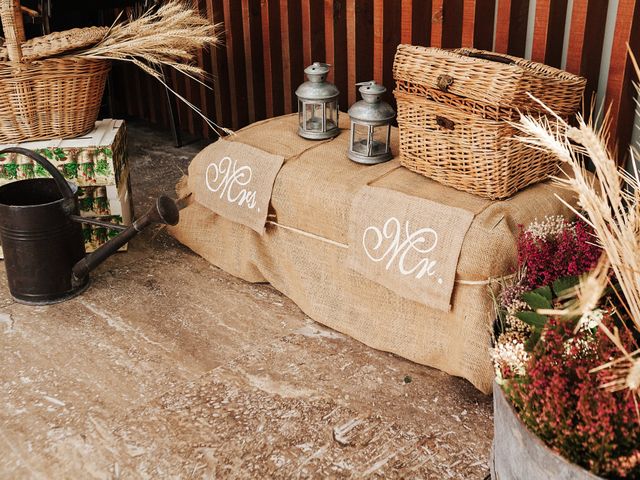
[[304, 251]]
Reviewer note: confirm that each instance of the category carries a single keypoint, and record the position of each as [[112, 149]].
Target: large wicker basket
[[51, 98], [454, 121]]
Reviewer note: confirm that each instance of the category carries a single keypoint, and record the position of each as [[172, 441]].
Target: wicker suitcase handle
[[13, 26], [490, 56]]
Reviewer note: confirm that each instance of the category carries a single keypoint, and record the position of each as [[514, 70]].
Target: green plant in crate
[[85, 200], [111, 233], [103, 157], [87, 170], [11, 171], [38, 169], [26, 170]]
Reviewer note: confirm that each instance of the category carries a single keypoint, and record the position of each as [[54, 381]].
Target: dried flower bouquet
[[566, 351]]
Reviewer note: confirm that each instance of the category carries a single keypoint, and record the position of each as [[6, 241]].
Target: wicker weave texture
[[58, 43], [490, 81], [466, 151], [50, 98]]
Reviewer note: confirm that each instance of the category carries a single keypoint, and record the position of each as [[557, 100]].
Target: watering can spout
[[165, 211]]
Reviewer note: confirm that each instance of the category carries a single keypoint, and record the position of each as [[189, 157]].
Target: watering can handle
[[63, 186]]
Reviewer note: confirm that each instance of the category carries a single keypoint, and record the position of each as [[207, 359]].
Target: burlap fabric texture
[[304, 252]]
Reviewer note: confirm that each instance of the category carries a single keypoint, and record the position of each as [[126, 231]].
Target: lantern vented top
[[317, 71], [371, 91]]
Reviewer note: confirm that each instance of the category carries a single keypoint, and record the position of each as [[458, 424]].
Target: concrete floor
[[167, 367]]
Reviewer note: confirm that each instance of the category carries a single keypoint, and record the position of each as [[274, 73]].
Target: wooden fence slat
[[306, 32], [215, 15], [364, 41], [540, 30], [391, 40], [468, 22], [620, 91], [483, 29], [452, 23], [518, 27], [378, 40], [268, 67], [295, 53], [257, 56], [503, 24], [586, 37], [437, 19], [556, 32], [317, 31], [351, 51], [248, 60], [406, 22], [340, 70], [329, 33], [577, 35], [421, 22], [276, 57], [548, 32], [229, 47], [286, 53]]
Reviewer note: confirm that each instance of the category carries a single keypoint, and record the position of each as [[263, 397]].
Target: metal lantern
[[371, 126], [317, 104]]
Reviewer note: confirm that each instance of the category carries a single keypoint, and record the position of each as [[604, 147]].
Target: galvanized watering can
[[42, 238]]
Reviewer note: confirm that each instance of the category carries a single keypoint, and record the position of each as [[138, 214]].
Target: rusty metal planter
[[518, 454]]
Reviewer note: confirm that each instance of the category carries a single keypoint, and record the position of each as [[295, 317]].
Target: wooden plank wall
[[267, 44]]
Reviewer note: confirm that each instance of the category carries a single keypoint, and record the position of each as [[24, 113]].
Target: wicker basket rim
[[519, 64], [540, 68], [65, 59]]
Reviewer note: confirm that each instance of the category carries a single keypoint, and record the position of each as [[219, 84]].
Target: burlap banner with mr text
[[407, 244]]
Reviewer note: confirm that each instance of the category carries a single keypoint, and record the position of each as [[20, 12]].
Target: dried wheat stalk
[[169, 36]]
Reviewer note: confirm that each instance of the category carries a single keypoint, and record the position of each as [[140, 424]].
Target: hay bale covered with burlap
[[304, 252]]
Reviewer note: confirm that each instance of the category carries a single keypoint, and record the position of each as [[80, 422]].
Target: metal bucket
[[518, 454]]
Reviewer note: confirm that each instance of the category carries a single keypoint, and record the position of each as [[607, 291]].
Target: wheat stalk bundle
[[167, 36], [610, 200]]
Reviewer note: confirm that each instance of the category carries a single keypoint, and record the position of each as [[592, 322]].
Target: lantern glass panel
[[332, 114], [360, 137], [300, 113], [379, 140], [313, 117]]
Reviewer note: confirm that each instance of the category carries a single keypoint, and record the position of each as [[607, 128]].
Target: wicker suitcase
[[454, 113]]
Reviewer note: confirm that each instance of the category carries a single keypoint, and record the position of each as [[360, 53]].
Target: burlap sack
[[235, 180], [304, 252], [407, 244]]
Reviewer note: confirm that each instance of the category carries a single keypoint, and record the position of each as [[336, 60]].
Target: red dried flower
[[567, 252], [563, 403]]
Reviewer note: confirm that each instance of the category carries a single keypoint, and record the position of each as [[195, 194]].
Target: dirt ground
[[168, 367]]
